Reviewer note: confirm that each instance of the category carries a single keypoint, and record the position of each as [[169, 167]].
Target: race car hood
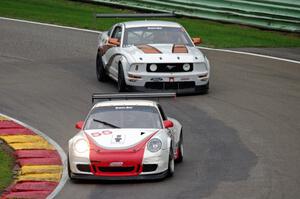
[[164, 53], [116, 139]]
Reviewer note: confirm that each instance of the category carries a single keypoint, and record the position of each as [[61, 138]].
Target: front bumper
[[153, 166], [178, 82], [157, 176]]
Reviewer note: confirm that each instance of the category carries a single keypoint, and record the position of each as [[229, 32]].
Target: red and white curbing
[[41, 161]]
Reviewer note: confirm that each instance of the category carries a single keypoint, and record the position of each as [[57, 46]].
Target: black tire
[[122, 87], [202, 90], [171, 164], [100, 71], [180, 149]]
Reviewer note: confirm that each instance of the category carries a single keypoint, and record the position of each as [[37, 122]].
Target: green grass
[[77, 14], [6, 164]]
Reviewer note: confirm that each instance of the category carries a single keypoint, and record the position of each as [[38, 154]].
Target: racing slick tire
[[171, 164], [179, 157], [100, 71], [121, 79]]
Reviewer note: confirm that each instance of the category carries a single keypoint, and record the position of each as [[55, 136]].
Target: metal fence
[[271, 14]]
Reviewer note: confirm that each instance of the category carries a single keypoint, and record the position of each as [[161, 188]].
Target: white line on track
[[205, 48], [252, 54], [59, 150], [47, 24]]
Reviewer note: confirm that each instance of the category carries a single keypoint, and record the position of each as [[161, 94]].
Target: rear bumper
[[157, 176]]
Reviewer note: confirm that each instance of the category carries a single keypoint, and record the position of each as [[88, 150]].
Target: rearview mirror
[[79, 125], [168, 124], [114, 41], [196, 40]]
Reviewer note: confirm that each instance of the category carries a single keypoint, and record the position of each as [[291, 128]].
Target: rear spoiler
[[111, 96], [136, 15]]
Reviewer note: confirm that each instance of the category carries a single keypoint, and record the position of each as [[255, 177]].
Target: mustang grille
[[170, 85], [169, 68]]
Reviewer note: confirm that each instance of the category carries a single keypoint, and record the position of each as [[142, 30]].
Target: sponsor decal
[[156, 79], [118, 139], [97, 134], [116, 164]]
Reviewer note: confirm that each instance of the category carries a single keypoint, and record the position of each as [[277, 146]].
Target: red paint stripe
[[39, 161], [28, 194], [8, 124], [36, 154], [16, 131], [131, 157], [34, 186]]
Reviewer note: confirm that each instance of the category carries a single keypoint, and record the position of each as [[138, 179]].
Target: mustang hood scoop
[[119, 138], [164, 53]]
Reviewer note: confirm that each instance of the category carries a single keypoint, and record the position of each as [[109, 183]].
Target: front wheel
[[179, 151], [171, 165], [121, 79]]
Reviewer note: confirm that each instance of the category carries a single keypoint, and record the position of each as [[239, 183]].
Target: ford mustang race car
[[152, 55], [125, 138]]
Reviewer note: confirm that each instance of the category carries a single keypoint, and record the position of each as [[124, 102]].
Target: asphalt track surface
[[241, 140]]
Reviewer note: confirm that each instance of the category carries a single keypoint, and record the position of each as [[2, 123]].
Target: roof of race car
[[133, 24], [126, 103]]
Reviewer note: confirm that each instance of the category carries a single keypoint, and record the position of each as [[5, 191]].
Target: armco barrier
[[271, 14]]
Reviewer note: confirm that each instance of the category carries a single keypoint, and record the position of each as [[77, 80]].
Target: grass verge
[[78, 14], [6, 165]]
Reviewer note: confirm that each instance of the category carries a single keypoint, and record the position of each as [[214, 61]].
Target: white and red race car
[[124, 139]]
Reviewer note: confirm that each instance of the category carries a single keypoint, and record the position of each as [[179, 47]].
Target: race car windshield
[[155, 35], [124, 117]]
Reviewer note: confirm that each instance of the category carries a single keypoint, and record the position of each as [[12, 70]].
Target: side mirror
[[168, 124], [196, 40], [114, 41], [79, 125]]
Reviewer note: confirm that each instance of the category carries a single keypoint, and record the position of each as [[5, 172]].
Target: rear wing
[[137, 15], [126, 96]]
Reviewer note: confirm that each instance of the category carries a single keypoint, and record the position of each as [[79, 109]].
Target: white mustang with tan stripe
[[152, 55]]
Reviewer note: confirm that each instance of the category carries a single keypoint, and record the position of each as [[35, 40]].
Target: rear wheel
[[100, 71], [121, 79]]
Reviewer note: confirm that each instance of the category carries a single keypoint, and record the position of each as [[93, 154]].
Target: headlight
[[154, 145], [186, 67], [153, 67], [137, 67], [81, 146]]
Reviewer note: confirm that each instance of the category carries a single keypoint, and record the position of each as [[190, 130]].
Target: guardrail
[[270, 14]]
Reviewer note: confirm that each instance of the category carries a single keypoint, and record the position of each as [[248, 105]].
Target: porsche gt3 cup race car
[[152, 55], [124, 139]]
